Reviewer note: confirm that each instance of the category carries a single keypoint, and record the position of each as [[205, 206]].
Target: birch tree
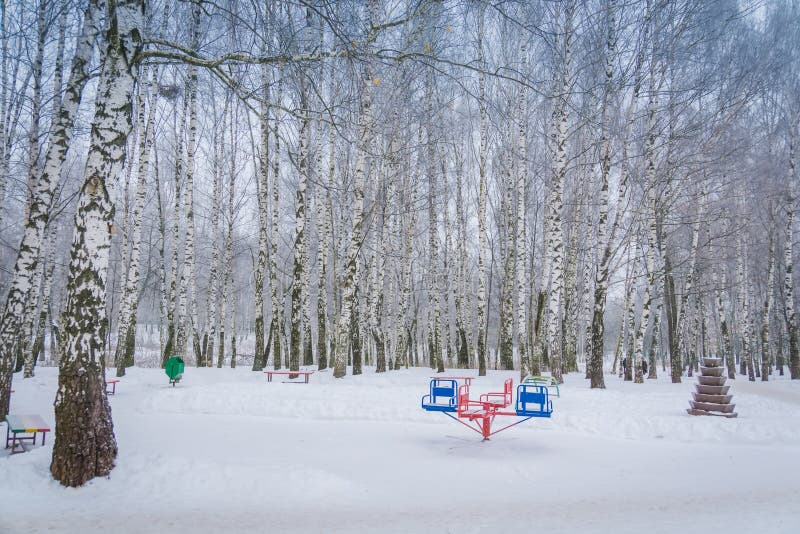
[[277, 325], [125, 340], [212, 305], [604, 237], [676, 354], [260, 356], [788, 280], [766, 311], [29, 250], [322, 255], [482, 193], [191, 148], [85, 445], [228, 278], [350, 279]]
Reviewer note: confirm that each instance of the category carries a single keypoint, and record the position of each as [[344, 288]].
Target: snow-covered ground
[[225, 451]]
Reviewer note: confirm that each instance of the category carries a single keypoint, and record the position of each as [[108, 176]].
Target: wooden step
[[712, 390], [718, 399], [711, 371], [712, 380], [692, 411], [712, 407], [712, 362]]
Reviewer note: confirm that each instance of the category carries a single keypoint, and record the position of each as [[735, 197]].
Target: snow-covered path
[[227, 452]]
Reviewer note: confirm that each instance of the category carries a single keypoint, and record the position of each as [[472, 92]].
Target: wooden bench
[[306, 375], [113, 383], [24, 424]]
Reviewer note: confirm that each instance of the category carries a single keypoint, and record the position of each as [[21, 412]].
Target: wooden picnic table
[[113, 383], [24, 424], [305, 374], [467, 379]]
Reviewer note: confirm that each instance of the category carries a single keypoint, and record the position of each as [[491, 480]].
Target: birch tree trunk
[[727, 348], [48, 266], [24, 356], [298, 276], [277, 323], [677, 362], [630, 317], [434, 338], [58, 69], [36, 112], [124, 351], [60, 138], [746, 359], [212, 297], [766, 347], [605, 243], [569, 319], [447, 270], [191, 147], [619, 353], [178, 289], [162, 262], [322, 256], [37, 349], [464, 326], [788, 281], [647, 301], [228, 279], [349, 283], [231, 298], [404, 326], [173, 313], [85, 446], [4, 109], [655, 343], [260, 356], [482, 192], [589, 259], [380, 252], [507, 259], [554, 244]]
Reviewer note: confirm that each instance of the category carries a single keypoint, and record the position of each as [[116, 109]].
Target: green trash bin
[[174, 369]]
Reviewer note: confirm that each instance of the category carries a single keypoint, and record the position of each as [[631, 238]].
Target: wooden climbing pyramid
[[711, 394]]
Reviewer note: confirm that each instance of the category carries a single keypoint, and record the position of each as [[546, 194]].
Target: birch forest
[[604, 187]]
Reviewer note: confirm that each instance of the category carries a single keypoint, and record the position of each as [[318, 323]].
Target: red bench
[[113, 384], [305, 374]]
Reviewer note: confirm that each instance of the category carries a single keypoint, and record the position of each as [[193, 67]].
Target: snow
[[227, 451]]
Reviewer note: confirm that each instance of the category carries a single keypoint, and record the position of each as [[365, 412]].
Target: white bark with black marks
[[85, 446], [788, 262], [130, 297], [482, 193], [60, 139], [350, 279]]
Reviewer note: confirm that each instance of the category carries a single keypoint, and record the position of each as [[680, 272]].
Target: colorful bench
[[24, 424], [547, 381]]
